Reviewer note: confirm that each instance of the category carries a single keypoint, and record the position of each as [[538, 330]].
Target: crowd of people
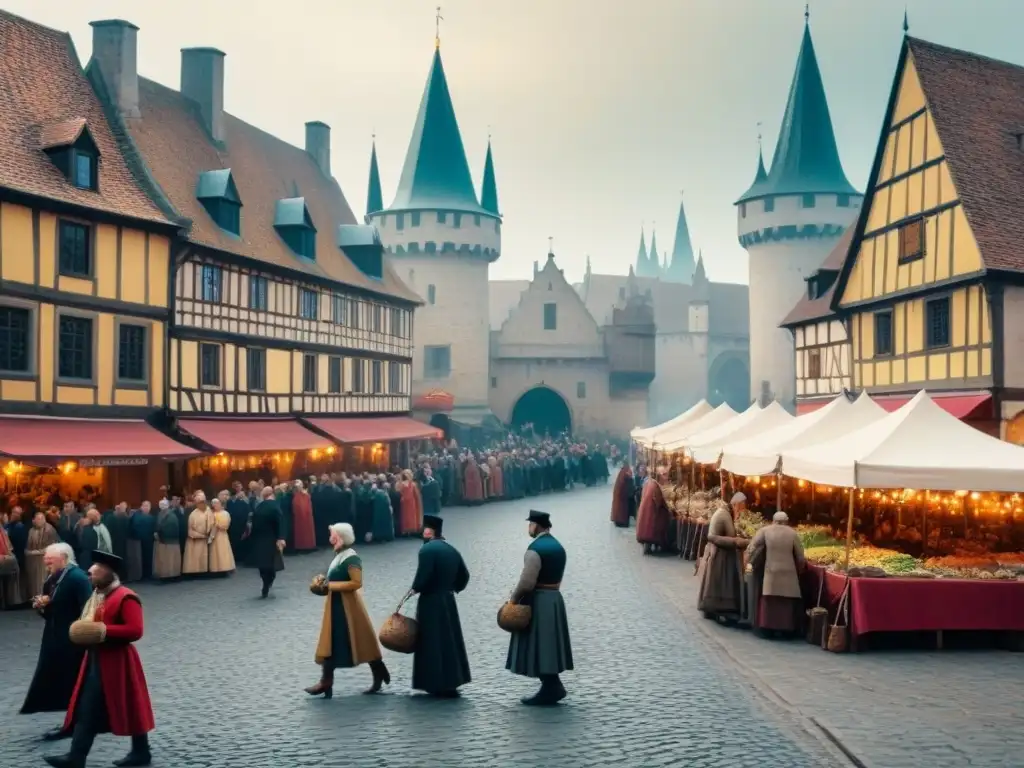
[[189, 536]]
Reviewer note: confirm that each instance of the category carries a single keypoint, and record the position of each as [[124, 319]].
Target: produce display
[[893, 563], [699, 505], [749, 523]]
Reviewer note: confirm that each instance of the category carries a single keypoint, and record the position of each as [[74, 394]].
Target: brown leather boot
[[324, 688]]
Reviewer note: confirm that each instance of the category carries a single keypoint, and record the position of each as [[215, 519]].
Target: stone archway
[[729, 381], [544, 408]]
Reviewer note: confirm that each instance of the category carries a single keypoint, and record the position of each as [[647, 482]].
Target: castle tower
[[680, 268], [789, 220], [441, 241]]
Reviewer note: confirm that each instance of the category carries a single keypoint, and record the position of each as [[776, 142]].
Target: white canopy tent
[[918, 446], [647, 435], [759, 455], [706, 447], [673, 439]]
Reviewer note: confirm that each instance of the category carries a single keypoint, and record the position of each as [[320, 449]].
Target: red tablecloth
[[915, 605]]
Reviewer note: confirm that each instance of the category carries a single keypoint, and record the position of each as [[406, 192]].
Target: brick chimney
[[115, 53], [318, 145], [202, 80]]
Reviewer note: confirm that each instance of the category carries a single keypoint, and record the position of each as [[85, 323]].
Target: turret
[[489, 188], [374, 198], [789, 220]]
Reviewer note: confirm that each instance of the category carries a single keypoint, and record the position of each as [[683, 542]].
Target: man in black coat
[[266, 542], [440, 665], [238, 510], [430, 492], [65, 593]]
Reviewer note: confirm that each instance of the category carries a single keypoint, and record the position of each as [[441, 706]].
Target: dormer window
[[217, 192], [362, 245], [70, 147], [295, 226], [812, 289]]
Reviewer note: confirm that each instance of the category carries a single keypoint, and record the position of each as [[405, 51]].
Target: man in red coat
[[111, 694]]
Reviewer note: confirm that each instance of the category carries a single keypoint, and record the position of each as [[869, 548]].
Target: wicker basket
[[319, 586], [398, 632], [514, 617], [87, 632]]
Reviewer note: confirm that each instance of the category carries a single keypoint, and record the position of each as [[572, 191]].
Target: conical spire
[[653, 262], [680, 269], [699, 275], [641, 256], [489, 189], [374, 199], [436, 174], [806, 158]]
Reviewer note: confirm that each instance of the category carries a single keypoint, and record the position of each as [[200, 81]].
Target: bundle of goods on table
[[691, 512], [889, 591]]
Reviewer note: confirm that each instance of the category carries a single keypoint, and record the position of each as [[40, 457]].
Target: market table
[[691, 537], [893, 604]]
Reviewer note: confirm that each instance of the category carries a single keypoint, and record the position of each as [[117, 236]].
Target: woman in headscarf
[[166, 550], [776, 558], [196, 559], [653, 519], [411, 506], [222, 559], [623, 498], [347, 637], [720, 572]]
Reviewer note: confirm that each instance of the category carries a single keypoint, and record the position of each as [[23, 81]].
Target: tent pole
[[778, 491], [849, 532]]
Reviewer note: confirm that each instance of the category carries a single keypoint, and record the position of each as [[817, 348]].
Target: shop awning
[[231, 435], [973, 405], [27, 437], [379, 429]]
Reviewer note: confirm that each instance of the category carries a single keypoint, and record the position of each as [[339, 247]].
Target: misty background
[[600, 112]]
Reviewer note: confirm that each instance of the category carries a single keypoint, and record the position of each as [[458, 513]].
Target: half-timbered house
[[283, 306], [931, 288], [84, 301]]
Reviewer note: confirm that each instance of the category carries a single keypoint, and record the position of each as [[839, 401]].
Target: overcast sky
[[601, 112]]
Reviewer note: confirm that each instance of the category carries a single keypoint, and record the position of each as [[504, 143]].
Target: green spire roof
[[653, 262], [436, 174], [489, 189], [680, 270], [699, 275], [374, 199], [806, 159], [641, 256]]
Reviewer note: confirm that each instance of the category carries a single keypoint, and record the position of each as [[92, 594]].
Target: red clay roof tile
[[62, 133], [43, 94], [176, 149]]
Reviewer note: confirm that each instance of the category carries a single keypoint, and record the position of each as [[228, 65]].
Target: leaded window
[[15, 335], [74, 348], [131, 352]]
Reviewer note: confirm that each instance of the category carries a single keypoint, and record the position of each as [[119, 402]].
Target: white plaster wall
[[778, 270], [460, 314]]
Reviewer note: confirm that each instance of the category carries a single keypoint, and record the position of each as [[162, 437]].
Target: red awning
[[974, 405], [230, 435], [380, 429], [26, 437]]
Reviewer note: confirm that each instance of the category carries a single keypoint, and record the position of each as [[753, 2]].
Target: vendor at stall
[[721, 570], [776, 558]]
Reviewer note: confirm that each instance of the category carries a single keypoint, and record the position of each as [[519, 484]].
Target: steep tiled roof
[[815, 309], [175, 149], [977, 104], [44, 99]]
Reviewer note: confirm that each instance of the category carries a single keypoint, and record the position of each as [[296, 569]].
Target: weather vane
[[807, 12], [551, 245], [438, 18], [758, 134]]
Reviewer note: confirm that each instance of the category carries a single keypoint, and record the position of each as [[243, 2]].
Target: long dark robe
[[430, 492], [720, 574], [59, 659], [67, 529], [284, 501], [396, 510], [142, 526], [383, 528], [18, 534], [623, 498], [440, 663], [266, 532], [364, 511], [238, 510], [88, 539], [117, 527], [323, 512], [346, 512], [182, 527]]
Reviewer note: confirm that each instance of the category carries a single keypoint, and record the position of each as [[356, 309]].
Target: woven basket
[[319, 586], [398, 632], [513, 617], [87, 632]]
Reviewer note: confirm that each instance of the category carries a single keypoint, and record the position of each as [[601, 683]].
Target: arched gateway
[[544, 408]]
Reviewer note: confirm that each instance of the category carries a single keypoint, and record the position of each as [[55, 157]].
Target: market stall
[[977, 585], [706, 447], [674, 438], [647, 436]]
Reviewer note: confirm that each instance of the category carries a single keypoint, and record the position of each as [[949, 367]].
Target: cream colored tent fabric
[[918, 446], [759, 455], [646, 435], [706, 447], [671, 439]]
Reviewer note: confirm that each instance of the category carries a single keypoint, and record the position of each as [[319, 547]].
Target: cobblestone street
[[226, 670]]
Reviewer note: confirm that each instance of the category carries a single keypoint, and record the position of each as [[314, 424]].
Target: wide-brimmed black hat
[[434, 523], [543, 519], [105, 558]]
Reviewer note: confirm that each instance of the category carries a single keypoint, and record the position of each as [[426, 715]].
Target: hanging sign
[[114, 462]]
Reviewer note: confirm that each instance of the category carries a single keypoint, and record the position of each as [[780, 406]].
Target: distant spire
[[653, 262], [906, 22], [641, 255], [699, 275], [680, 269], [374, 199], [588, 263], [489, 188]]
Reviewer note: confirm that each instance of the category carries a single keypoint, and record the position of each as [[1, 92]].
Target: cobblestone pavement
[[890, 709], [226, 670]]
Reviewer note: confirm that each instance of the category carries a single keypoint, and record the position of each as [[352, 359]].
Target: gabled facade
[[789, 220], [551, 361], [84, 253], [282, 305], [929, 286], [441, 239]]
